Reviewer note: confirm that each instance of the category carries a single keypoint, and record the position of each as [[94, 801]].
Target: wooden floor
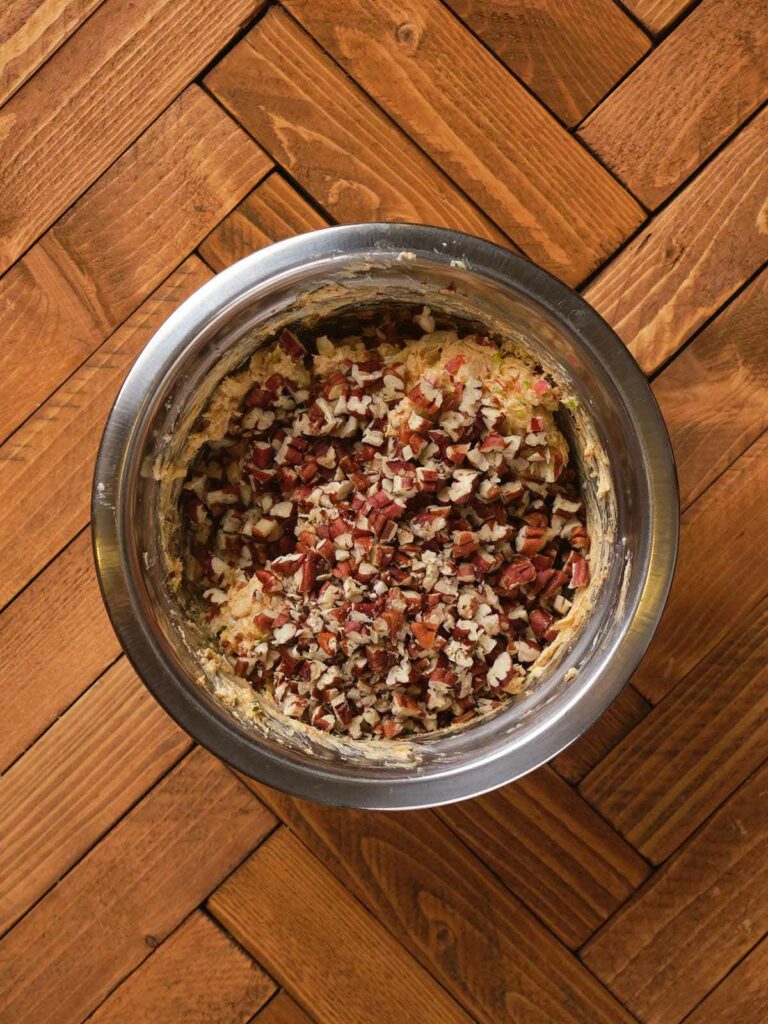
[[144, 146]]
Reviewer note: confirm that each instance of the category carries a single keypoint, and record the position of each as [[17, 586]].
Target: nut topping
[[386, 551]]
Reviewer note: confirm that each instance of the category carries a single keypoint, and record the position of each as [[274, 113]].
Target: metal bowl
[[328, 274]]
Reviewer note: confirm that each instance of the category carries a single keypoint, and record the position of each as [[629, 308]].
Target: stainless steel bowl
[[329, 273]]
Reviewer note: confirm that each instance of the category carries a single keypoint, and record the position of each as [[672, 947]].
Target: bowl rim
[[217, 298]]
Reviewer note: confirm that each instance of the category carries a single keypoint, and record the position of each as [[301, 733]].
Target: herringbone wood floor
[[144, 146]]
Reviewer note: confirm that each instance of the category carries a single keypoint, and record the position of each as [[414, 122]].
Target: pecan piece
[[541, 624], [425, 634], [579, 570], [517, 573], [531, 539]]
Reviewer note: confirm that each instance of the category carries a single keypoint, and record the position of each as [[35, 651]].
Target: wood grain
[[687, 98], [693, 255], [120, 240], [348, 155], [282, 901], [589, 749], [707, 600], [551, 851], [694, 749], [711, 897], [658, 15], [282, 1010], [46, 468], [30, 31], [80, 644], [273, 211], [435, 896], [742, 996], [477, 121], [140, 882], [77, 780], [197, 975], [714, 395], [568, 52], [130, 60], [121, 184], [45, 324]]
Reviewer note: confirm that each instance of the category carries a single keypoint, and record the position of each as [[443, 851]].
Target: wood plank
[[31, 32], [568, 54], [197, 975], [707, 601], [742, 996], [45, 324], [129, 893], [658, 15], [436, 897], [118, 242], [273, 211], [282, 902], [46, 468], [714, 395], [694, 749], [282, 1010], [712, 898], [685, 99], [77, 780], [476, 121], [693, 255], [79, 645], [589, 749], [548, 847], [94, 97], [337, 144]]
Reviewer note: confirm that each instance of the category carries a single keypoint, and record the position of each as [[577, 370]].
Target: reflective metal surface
[[211, 334]]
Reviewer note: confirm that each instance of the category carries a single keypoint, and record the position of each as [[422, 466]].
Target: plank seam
[[51, 55], [664, 866], [575, 785], [572, 951], [555, 117], [653, 216], [655, 211], [702, 327], [161, 778], [391, 120], [655, 866], [63, 712], [728, 973], [664, 33], [99, 839], [279, 169], [238, 37], [633, 17], [278, 990], [619, 82], [106, 170], [31, 580], [140, 964], [415, 957], [711, 484], [65, 380]]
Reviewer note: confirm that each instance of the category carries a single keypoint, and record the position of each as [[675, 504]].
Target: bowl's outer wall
[[199, 334]]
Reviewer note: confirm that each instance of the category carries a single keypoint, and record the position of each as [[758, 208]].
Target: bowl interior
[[213, 333]]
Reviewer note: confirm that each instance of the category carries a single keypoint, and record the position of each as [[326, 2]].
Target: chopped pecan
[[388, 559], [425, 634], [531, 539], [517, 573]]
